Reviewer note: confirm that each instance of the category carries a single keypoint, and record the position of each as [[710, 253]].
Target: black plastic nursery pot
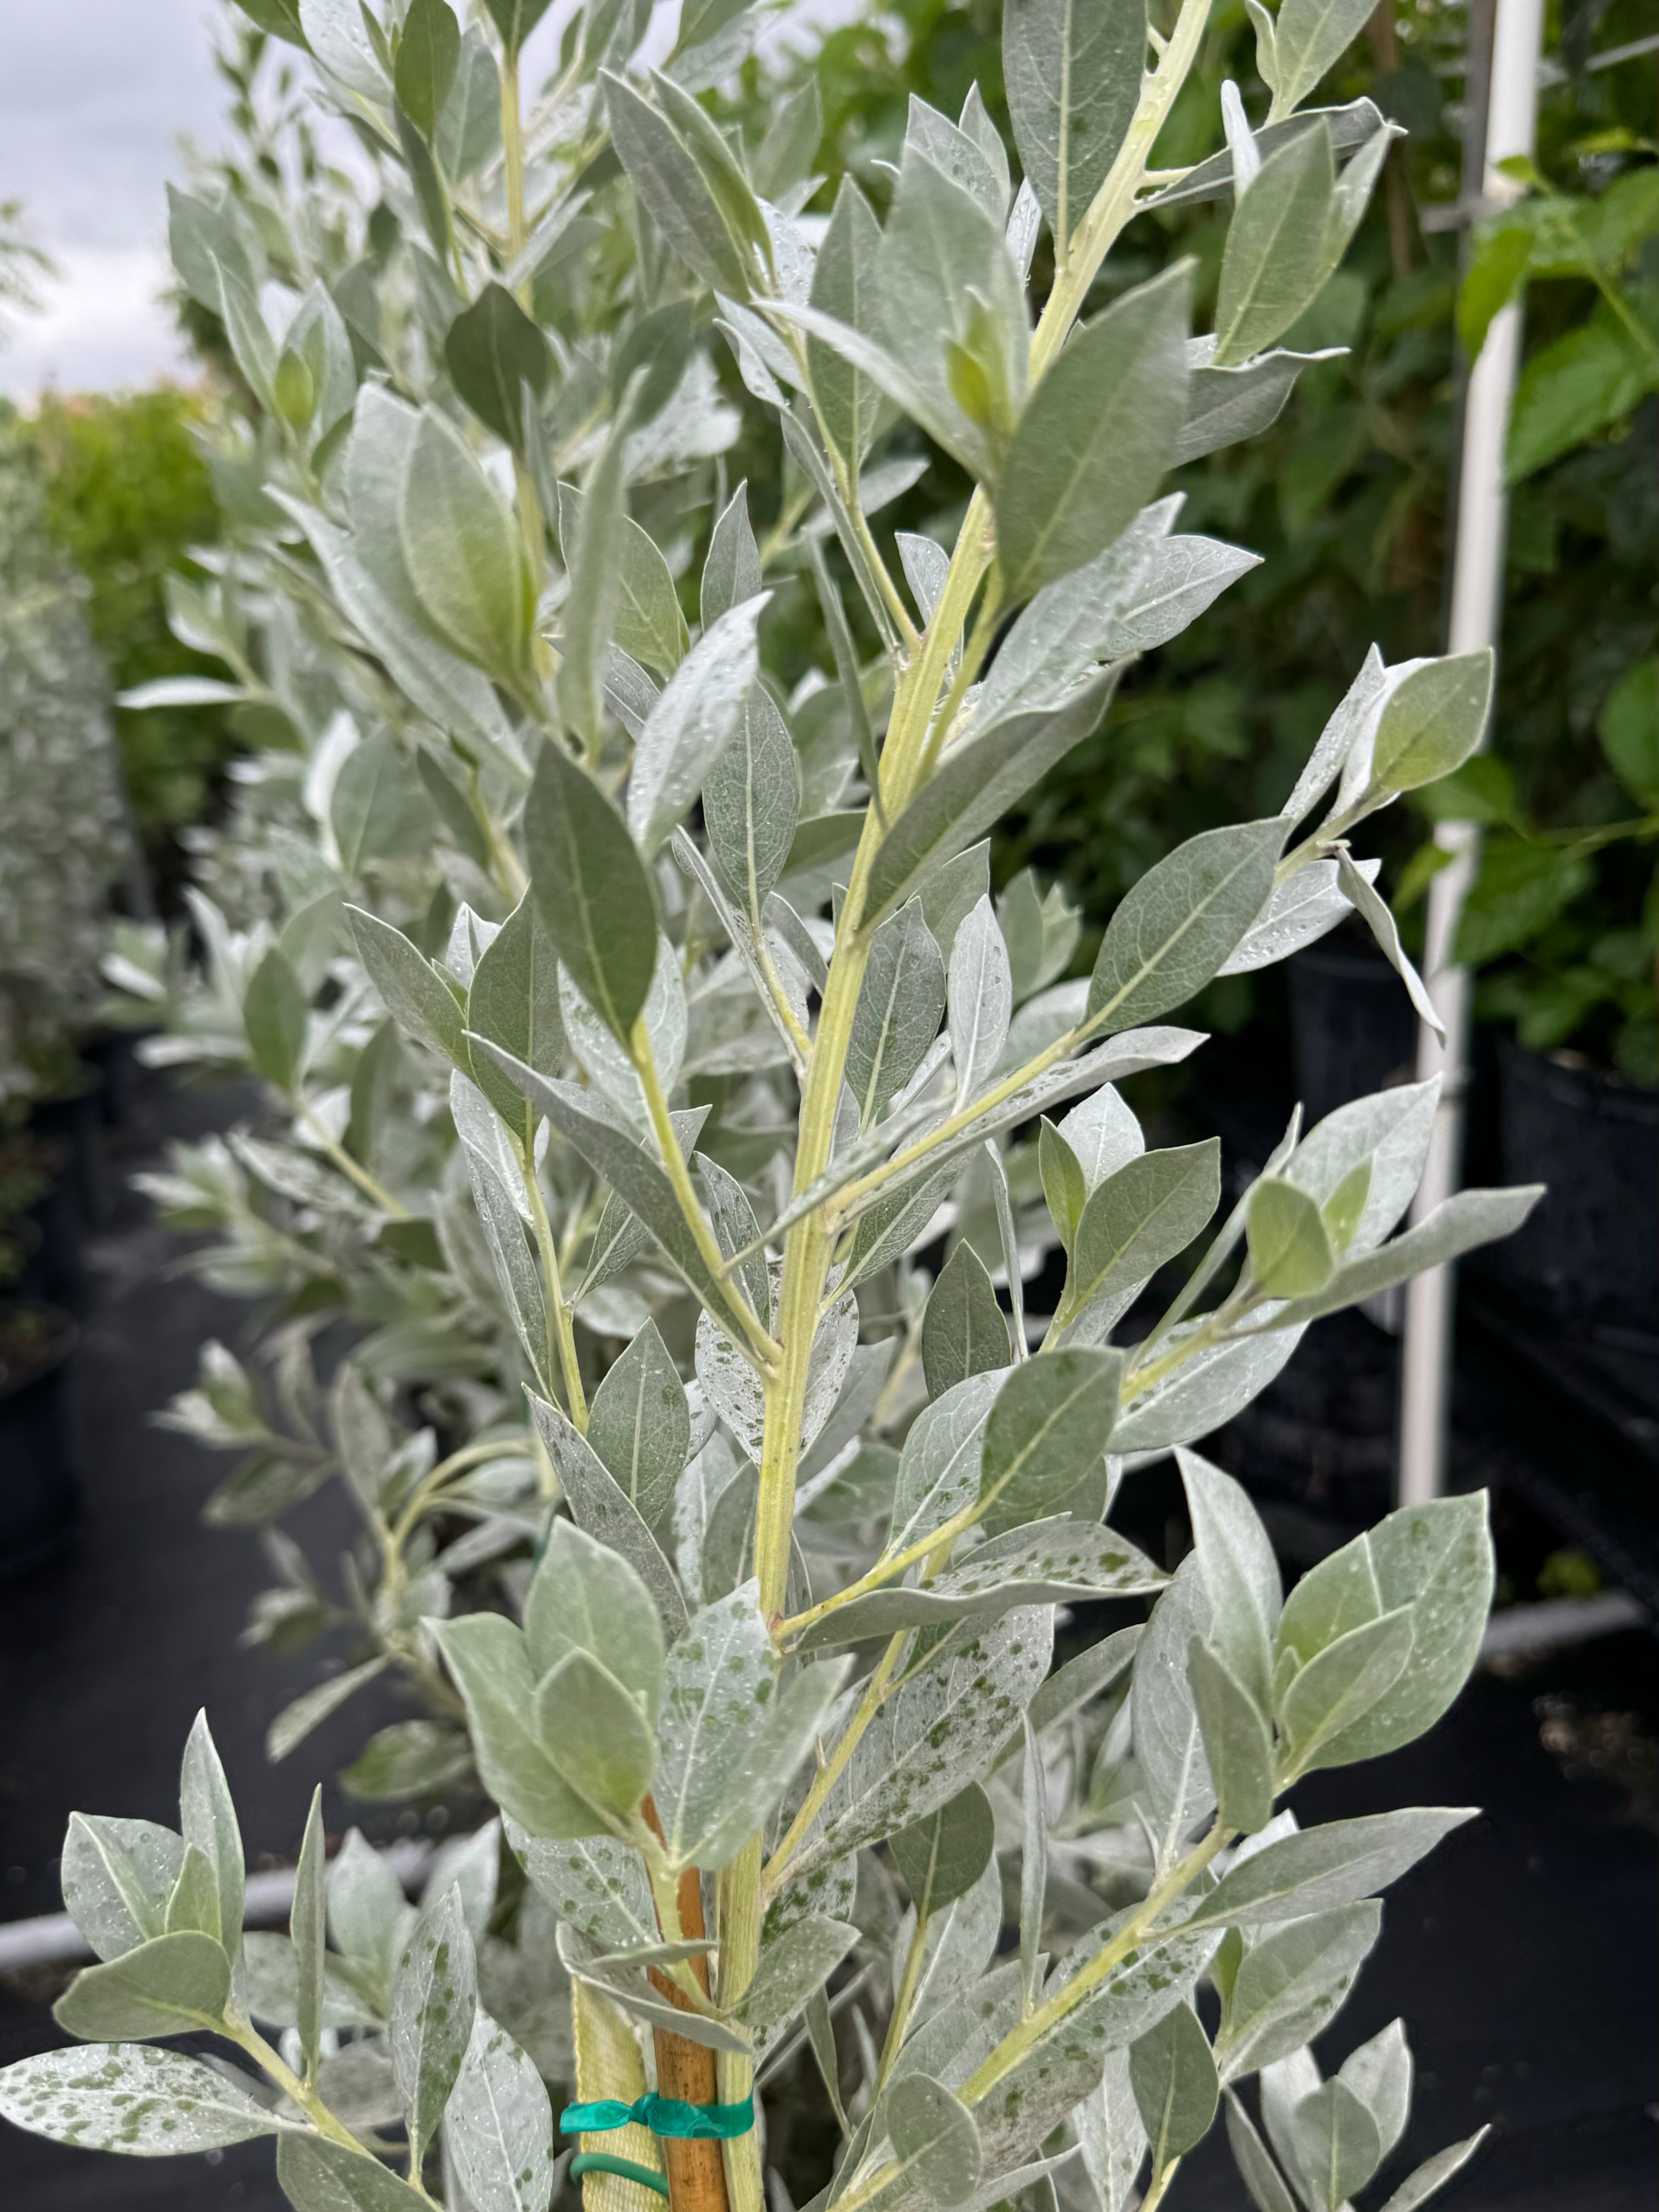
[[75, 1120], [40, 1498], [1352, 1031], [1588, 1256]]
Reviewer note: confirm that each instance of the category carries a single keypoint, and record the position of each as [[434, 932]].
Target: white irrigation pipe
[[1476, 620], [54, 1939]]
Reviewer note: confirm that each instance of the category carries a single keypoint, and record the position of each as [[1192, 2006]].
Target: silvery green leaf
[[890, 1226], [752, 802], [480, 1129], [940, 1732], [486, 1655], [1302, 910], [1024, 222], [1104, 1135], [939, 245], [194, 1903], [964, 157], [1066, 2061], [336, 35], [1225, 406], [940, 1466], [934, 2136], [595, 1883], [1240, 1572], [434, 1997], [1064, 1191], [130, 2098], [463, 552], [899, 1011], [1237, 1742], [1074, 79], [1290, 1983], [1204, 1392], [1338, 1688], [1435, 1559], [603, 1508], [1284, 2085], [630, 693], [584, 1596], [980, 999], [1034, 1862], [640, 1424], [621, 1236], [1380, 2074], [1310, 38], [626, 1986], [594, 1733], [515, 1002], [1468, 1219], [1064, 636], [1389, 1134], [671, 186], [1182, 577], [1434, 2173], [925, 563], [499, 2124], [1145, 1214], [307, 1925], [950, 893], [498, 359], [1172, 2074], [469, 130], [602, 1136], [1169, 1742], [731, 1741], [207, 1816], [731, 565], [316, 2175], [1323, 1867], [367, 1916], [1071, 1687], [1108, 1063], [691, 722], [963, 1331], [1350, 725], [942, 1857], [1377, 916], [516, 1267], [593, 890], [960, 1942], [1276, 262], [789, 1970], [1336, 2144], [647, 623], [1114, 2140], [1047, 1435], [1268, 2190], [116, 1876], [169, 1986], [1096, 436], [1048, 1562], [470, 1865], [268, 1986], [1184, 917]]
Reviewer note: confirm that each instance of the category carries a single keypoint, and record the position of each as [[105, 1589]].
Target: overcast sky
[[94, 96]]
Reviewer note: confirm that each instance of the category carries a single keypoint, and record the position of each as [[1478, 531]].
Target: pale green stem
[[343, 1160], [560, 1330], [830, 1773], [247, 2038], [761, 1350]]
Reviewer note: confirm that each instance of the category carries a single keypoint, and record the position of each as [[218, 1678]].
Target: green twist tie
[[664, 2116]]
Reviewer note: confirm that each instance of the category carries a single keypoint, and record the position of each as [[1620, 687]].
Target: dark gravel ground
[[1523, 1954]]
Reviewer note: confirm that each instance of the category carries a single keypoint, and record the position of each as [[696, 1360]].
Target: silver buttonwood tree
[[773, 1709]]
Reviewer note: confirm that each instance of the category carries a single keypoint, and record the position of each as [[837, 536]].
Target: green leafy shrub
[[128, 496]]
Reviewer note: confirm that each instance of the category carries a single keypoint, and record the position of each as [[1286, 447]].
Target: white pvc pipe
[[1476, 620]]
